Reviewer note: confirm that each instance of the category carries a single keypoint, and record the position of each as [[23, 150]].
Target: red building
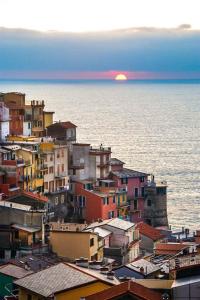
[[134, 183], [11, 173], [94, 203]]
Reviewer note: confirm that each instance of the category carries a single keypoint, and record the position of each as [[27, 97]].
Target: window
[[118, 199], [82, 201], [58, 154], [62, 199], [142, 191], [141, 179], [114, 199], [50, 170], [106, 201], [56, 201], [136, 192], [135, 204], [124, 197], [63, 167], [149, 202], [29, 125], [161, 191], [91, 242], [124, 180], [51, 157], [62, 153], [46, 185], [16, 234], [111, 214]]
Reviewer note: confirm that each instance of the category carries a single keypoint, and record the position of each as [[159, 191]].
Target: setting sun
[[120, 77]]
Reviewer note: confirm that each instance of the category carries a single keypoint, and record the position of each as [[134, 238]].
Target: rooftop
[[26, 228], [147, 266], [169, 248], [116, 222], [36, 262], [128, 287], [96, 274], [15, 205], [120, 224], [156, 283], [184, 262], [128, 173], [14, 271], [116, 161], [101, 231], [65, 125], [149, 231], [55, 279]]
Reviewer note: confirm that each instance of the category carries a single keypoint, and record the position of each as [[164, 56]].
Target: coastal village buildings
[[26, 119], [4, 121], [102, 227], [16, 104], [123, 241]]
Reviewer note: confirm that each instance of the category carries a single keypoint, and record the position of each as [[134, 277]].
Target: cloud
[[133, 49]]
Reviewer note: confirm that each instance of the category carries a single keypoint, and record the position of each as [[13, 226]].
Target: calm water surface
[[153, 127]]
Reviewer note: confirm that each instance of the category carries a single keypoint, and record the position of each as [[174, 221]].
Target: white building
[[4, 121]]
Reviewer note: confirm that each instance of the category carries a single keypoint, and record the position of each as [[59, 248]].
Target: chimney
[[110, 275], [82, 262], [104, 270], [142, 270]]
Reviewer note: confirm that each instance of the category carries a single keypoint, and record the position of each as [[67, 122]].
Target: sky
[[95, 39]]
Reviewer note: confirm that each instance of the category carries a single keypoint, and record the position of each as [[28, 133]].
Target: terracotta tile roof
[[35, 196], [149, 231], [169, 248], [65, 125], [129, 287]]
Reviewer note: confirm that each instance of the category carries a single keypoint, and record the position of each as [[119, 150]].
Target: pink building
[[134, 183]]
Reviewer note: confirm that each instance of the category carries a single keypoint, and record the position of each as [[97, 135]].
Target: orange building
[[95, 203], [16, 104]]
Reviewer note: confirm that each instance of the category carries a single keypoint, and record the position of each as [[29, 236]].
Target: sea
[[152, 126]]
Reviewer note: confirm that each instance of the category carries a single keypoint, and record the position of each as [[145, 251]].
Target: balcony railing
[[61, 175], [181, 262], [77, 166]]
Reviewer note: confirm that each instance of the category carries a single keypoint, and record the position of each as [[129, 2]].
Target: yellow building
[[66, 244], [122, 205], [33, 169], [48, 118], [28, 235], [61, 282], [21, 138]]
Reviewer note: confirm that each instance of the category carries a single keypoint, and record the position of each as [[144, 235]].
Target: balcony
[[184, 262], [123, 204], [100, 150], [101, 243], [61, 175], [20, 162], [42, 167], [78, 166], [103, 164]]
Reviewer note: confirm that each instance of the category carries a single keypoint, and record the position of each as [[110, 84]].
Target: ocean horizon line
[[128, 81]]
